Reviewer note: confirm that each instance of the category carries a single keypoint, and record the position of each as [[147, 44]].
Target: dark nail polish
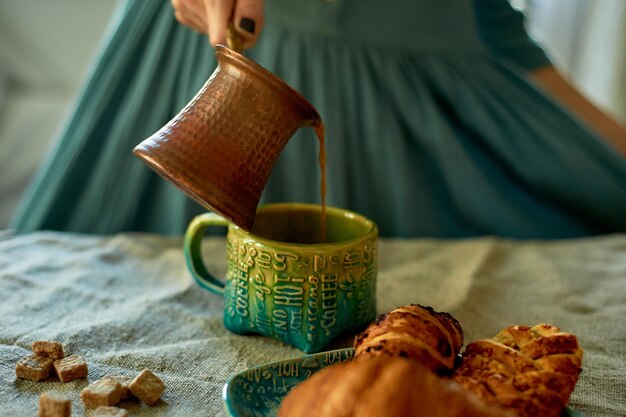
[[247, 24]]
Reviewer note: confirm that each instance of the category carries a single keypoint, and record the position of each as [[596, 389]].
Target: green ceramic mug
[[283, 281]]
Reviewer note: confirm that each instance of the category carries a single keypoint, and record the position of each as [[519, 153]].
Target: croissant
[[416, 332], [382, 386], [531, 370]]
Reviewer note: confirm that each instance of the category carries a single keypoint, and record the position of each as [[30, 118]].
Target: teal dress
[[434, 127]]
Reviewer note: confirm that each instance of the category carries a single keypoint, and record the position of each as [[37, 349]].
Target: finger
[[191, 13], [218, 13], [193, 22], [249, 19]]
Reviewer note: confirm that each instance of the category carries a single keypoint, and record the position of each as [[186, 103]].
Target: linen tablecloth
[[126, 302]]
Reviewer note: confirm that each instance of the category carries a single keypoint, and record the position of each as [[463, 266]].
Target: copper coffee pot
[[221, 147]]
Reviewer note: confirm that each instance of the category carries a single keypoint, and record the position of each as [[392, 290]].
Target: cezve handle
[[233, 40]]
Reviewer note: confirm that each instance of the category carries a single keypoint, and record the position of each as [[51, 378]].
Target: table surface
[[126, 302]]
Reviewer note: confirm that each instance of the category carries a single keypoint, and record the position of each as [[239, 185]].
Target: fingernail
[[247, 24]]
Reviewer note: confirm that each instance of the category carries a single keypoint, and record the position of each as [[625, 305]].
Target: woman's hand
[[566, 94], [211, 17]]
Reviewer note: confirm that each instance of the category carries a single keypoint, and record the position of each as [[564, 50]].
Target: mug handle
[[193, 253]]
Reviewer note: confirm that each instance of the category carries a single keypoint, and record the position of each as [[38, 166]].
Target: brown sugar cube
[[101, 392], [124, 381], [54, 405], [33, 367], [147, 387], [110, 412], [71, 368], [52, 350]]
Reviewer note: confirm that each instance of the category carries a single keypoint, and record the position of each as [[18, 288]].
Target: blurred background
[[45, 51], [46, 48]]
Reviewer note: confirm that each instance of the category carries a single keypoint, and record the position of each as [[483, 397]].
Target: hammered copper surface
[[221, 147]]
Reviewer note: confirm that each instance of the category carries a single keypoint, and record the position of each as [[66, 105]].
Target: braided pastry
[[531, 370], [416, 332]]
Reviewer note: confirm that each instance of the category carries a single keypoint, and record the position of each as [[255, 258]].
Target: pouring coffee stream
[[220, 148]]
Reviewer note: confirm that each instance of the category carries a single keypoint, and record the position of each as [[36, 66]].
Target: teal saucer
[[258, 391]]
